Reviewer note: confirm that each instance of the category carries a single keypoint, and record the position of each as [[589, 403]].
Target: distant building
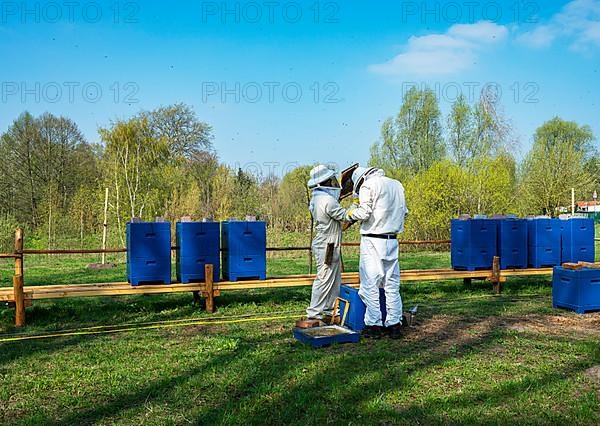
[[588, 206]]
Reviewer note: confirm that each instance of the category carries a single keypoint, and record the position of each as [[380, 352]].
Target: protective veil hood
[[362, 173], [334, 192]]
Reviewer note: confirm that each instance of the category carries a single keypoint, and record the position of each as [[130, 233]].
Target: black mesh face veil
[[363, 177], [334, 183], [330, 183]]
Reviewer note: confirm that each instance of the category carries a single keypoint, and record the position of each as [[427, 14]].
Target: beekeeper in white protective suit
[[327, 216], [380, 206]]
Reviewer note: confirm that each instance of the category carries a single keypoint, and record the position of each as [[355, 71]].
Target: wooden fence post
[[496, 276], [209, 290], [18, 280], [105, 226]]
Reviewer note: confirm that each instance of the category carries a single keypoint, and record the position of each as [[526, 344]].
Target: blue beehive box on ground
[[474, 244], [512, 243], [576, 290], [355, 317], [318, 337], [199, 243], [148, 253], [244, 250], [544, 249], [577, 236]]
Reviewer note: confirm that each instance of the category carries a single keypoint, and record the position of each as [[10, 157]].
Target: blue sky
[[297, 82]]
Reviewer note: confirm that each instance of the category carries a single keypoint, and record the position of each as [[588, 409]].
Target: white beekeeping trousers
[[326, 287], [379, 268]]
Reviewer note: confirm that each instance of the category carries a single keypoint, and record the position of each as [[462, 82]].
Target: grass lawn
[[472, 358]]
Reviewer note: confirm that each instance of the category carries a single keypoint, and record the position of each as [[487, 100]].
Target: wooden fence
[[22, 296]]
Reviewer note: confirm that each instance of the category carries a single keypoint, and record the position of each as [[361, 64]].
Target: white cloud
[[448, 53], [481, 32], [436, 41], [578, 21], [425, 63], [542, 36]]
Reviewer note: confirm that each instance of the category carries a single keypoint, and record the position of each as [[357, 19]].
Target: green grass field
[[472, 358]]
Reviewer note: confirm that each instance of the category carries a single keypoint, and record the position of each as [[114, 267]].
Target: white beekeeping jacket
[[327, 214], [382, 205]]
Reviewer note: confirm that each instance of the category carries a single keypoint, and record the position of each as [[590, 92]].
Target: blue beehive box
[[543, 257], [199, 243], [544, 249], [512, 243], [324, 336], [577, 236], [576, 290], [244, 250], [474, 244], [355, 317], [148, 253]]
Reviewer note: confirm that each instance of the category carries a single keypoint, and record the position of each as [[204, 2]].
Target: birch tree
[[412, 141]]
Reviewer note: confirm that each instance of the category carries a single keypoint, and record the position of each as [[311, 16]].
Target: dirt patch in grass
[[447, 332], [593, 374], [462, 327], [194, 330], [277, 328], [558, 325]]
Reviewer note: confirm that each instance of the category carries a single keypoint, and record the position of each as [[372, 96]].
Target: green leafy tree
[[433, 198], [132, 160], [223, 193], [412, 141], [184, 134], [491, 186], [555, 164], [44, 161], [246, 200], [477, 132], [291, 211], [461, 132]]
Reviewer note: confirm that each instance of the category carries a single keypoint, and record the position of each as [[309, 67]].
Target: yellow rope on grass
[[138, 324], [148, 327]]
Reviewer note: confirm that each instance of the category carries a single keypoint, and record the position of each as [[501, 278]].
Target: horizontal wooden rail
[[350, 278], [77, 251], [406, 243], [288, 248], [124, 250], [9, 256], [273, 249]]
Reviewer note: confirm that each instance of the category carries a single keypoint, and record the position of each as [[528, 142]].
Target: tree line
[[163, 163], [469, 165]]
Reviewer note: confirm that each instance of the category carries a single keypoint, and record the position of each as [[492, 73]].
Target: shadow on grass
[[158, 390], [13, 351], [293, 384], [436, 411], [347, 389], [80, 312]]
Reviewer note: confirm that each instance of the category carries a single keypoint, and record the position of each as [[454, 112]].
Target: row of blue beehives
[[243, 254], [520, 243]]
